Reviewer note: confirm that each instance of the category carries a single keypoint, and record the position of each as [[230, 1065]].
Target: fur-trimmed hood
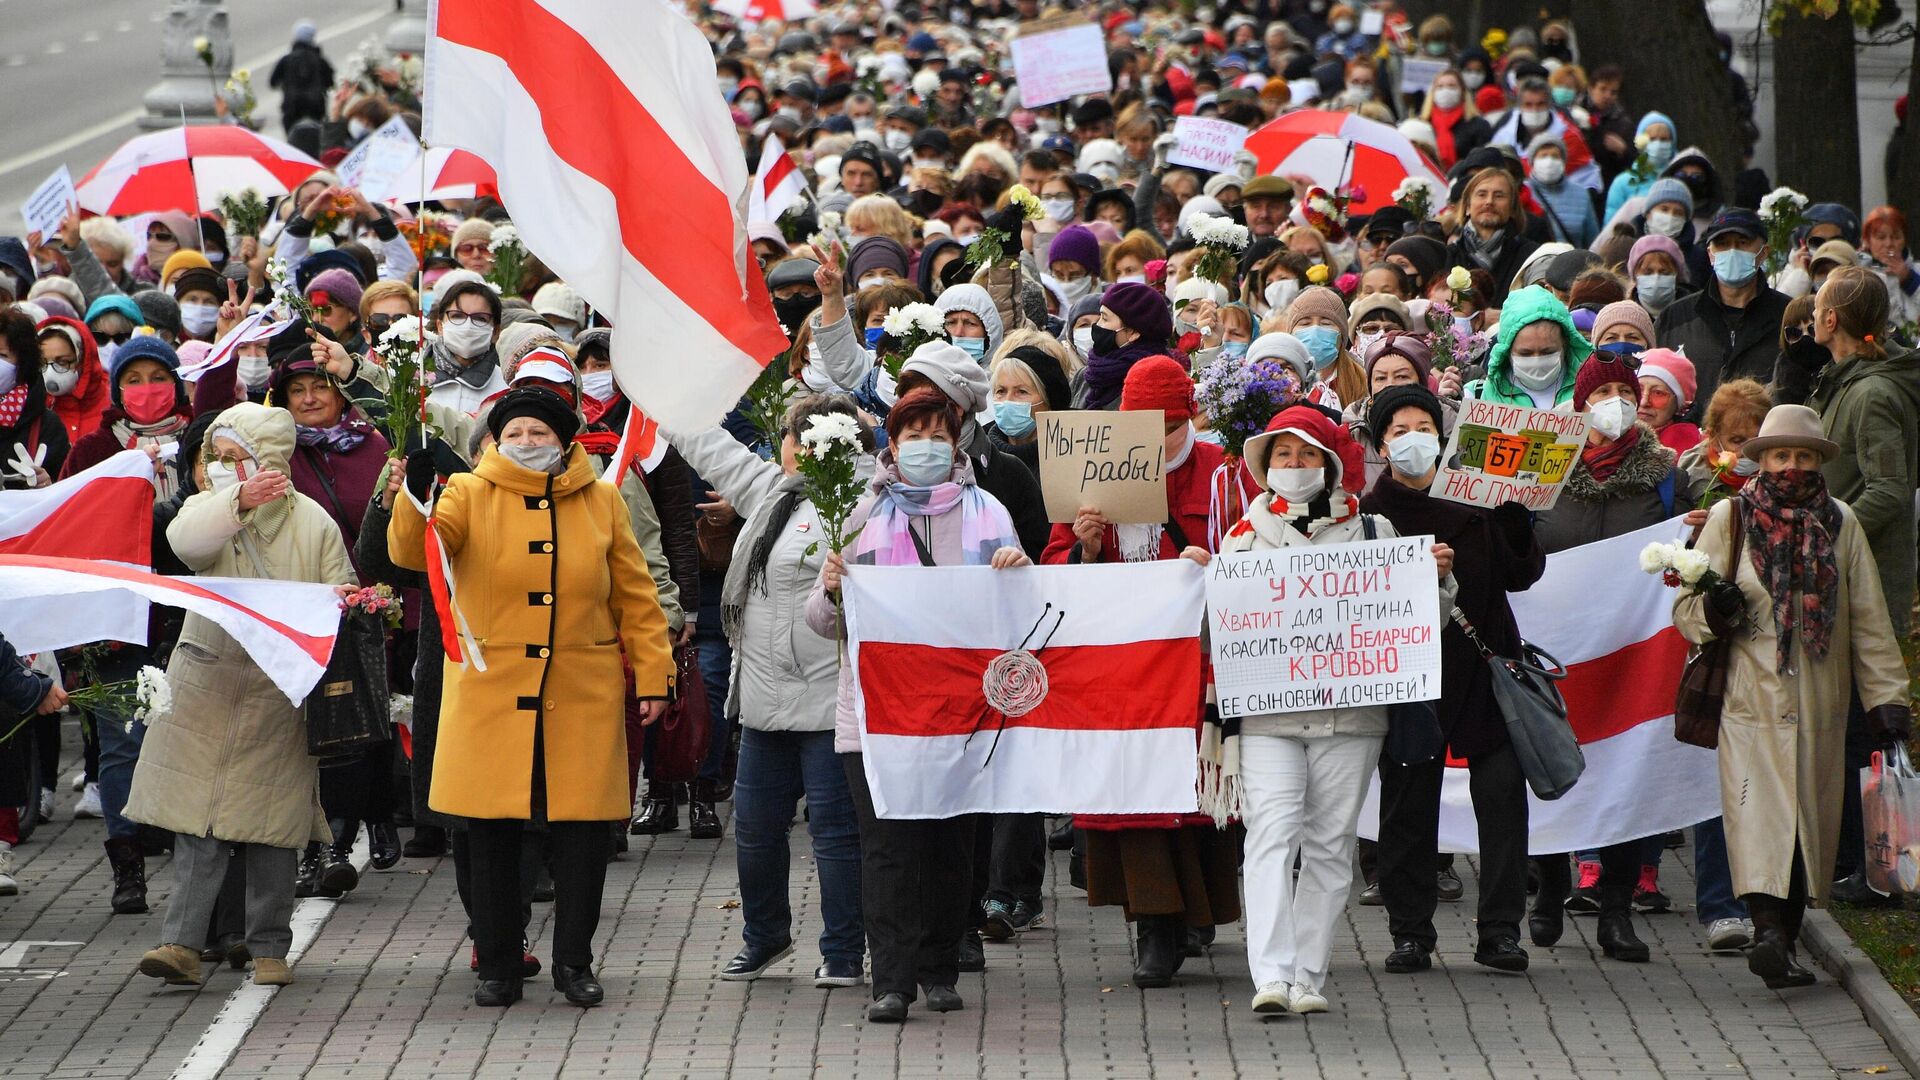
[[1647, 464]]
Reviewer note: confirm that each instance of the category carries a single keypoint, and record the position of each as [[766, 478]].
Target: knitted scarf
[[1106, 373], [985, 526], [1605, 459], [1791, 525]]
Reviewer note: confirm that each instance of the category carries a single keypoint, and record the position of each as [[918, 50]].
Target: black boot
[[337, 875], [429, 842], [383, 842], [308, 882], [129, 876], [1615, 932], [1776, 929], [657, 813], [1548, 919], [1061, 839], [1158, 948], [703, 821]]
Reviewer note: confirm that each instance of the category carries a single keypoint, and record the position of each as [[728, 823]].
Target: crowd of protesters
[[1578, 256]]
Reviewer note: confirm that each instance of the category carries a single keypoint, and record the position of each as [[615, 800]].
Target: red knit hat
[[1158, 382], [1603, 367], [1319, 429]]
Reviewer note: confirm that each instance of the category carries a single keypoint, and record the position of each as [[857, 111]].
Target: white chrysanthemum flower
[[1691, 565], [828, 429], [1656, 558], [503, 236], [154, 692]]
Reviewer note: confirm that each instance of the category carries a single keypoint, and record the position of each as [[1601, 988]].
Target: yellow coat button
[[543, 504], [544, 653], [547, 547], [546, 598], [549, 705]]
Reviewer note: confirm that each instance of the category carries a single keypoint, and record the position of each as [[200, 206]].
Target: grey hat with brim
[[1791, 425]]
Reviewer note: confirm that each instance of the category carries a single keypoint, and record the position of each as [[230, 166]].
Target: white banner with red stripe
[[1612, 626], [1044, 689], [287, 627], [103, 513], [618, 160]]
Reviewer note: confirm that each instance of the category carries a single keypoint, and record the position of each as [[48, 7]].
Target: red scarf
[[1443, 121], [1604, 460], [12, 404]]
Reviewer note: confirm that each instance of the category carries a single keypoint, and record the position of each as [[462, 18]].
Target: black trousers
[[1009, 860], [533, 859], [1852, 852], [1408, 855], [916, 892], [1619, 873], [577, 855]]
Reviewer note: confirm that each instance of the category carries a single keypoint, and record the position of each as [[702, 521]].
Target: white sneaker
[[1729, 935], [89, 804], [80, 780], [1272, 998], [1303, 1000], [46, 804], [8, 886]]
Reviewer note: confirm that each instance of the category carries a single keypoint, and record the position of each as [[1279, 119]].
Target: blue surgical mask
[[1659, 152], [1233, 350], [1563, 96], [873, 336], [975, 347], [1323, 344], [923, 462], [1734, 266], [1014, 418]]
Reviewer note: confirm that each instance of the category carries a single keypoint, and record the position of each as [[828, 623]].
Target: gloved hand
[[1162, 149], [420, 474], [1246, 165], [1726, 608], [1889, 724]]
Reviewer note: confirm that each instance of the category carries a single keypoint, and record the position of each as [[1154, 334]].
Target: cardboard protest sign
[[1113, 461], [1340, 626], [50, 204], [1417, 75], [1509, 453], [1055, 59], [1206, 144], [381, 157]]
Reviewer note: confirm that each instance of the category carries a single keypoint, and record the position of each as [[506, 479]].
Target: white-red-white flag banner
[[1048, 689], [777, 184], [287, 627], [103, 513], [618, 160], [1623, 666], [641, 444]]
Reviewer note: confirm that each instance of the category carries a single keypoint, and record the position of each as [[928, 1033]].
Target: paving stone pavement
[[385, 991]]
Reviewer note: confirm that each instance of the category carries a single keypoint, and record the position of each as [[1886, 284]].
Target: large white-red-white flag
[[777, 183], [1623, 666], [1057, 689], [618, 160]]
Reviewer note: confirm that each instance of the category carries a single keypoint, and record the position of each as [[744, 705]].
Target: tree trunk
[[1903, 188], [1816, 126], [1680, 74]]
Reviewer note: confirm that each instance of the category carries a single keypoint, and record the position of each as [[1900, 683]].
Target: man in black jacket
[[1731, 328], [23, 691], [1493, 237]]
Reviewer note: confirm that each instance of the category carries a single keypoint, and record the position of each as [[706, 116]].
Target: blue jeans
[[776, 768], [1712, 879], [119, 748], [716, 662]]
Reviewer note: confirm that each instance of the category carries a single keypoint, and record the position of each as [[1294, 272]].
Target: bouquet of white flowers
[[906, 329], [829, 458], [1679, 566], [1221, 242], [406, 351], [1783, 209], [1420, 196], [509, 260]]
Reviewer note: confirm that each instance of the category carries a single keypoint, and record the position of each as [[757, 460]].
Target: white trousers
[[1300, 796]]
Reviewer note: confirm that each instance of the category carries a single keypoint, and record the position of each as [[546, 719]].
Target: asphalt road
[[72, 73]]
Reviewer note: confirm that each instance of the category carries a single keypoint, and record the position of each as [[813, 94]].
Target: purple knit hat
[[1076, 244], [1653, 242], [1142, 308]]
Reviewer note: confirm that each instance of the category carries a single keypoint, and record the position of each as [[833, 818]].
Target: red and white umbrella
[[767, 10], [1340, 152], [189, 168], [450, 174]]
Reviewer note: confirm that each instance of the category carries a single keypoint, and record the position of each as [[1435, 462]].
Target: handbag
[[347, 709], [1703, 681], [1536, 714], [681, 738]]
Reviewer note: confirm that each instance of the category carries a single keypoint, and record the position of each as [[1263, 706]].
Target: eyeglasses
[[380, 324], [471, 247], [121, 338], [325, 311], [461, 318], [1793, 333]]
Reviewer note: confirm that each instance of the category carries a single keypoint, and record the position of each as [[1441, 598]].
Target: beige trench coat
[[1783, 737], [230, 760]]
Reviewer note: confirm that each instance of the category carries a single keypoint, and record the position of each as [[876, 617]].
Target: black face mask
[[793, 310], [1105, 341]]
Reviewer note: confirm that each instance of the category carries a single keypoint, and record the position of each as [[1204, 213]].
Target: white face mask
[[254, 370], [871, 280], [221, 476], [1654, 291], [466, 340], [1281, 293], [1296, 486], [1537, 372], [897, 140], [1549, 170], [1414, 453], [1665, 223], [60, 382], [9, 375], [1612, 417], [1535, 118], [598, 384], [1446, 97], [1075, 289], [544, 459], [356, 130], [1058, 207], [1083, 340], [789, 112], [1474, 78], [1137, 279]]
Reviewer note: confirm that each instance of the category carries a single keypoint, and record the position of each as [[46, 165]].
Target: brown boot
[[177, 964]]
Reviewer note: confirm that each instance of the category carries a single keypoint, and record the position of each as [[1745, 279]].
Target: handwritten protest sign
[[50, 204], [1333, 627], [1206, 144], [1056, 59], [1114, 461], [1417, 75], [1509, 453], [380, 158]]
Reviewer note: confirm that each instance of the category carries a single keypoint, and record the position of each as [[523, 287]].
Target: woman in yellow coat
[[555, 590]]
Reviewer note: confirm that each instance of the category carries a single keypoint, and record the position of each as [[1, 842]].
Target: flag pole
[[197, 226]]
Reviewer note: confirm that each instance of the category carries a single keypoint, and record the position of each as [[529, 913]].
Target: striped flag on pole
[[617, 157], [640, 444], [1060, 689], [1622, 672], [777, 185]]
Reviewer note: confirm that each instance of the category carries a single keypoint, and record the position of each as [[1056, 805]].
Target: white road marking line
[[229, 1029], [55, 48], [90, 37]]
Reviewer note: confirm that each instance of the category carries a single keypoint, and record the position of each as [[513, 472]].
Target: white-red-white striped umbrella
[[767, 10], [1340, 152], [189, 168], [450, 174]]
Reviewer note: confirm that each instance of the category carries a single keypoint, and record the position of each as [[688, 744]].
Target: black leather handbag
[[347, 711]]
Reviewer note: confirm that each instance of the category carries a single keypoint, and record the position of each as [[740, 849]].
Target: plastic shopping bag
[[1890, 806]]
